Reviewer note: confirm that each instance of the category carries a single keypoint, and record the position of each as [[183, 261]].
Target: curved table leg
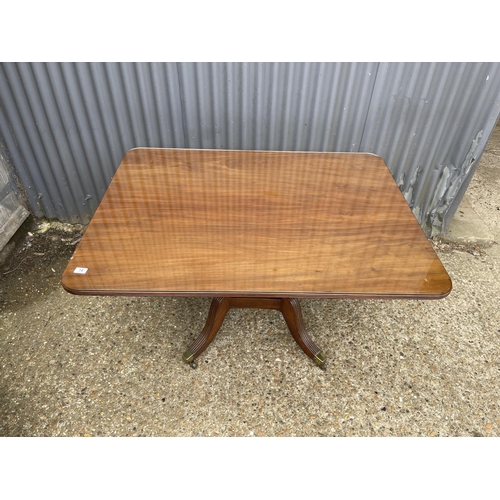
[[292, 313], [290, 308], [218, 310]]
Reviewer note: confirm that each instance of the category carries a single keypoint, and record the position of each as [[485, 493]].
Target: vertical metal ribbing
[[19, 146], [55, 139], [75, 137], [90, 122], [100, 88], [47, 157]]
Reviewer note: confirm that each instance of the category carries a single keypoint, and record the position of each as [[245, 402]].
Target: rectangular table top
[[188, 222]]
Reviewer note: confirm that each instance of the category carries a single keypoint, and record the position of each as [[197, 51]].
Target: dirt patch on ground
[[41, 250], [448, 247]]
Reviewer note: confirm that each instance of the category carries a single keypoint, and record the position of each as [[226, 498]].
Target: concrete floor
[[100, 366]]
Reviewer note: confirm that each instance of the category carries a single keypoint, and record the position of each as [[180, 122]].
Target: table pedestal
[[290, 308]]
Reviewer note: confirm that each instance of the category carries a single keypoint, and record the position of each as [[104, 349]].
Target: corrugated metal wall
[[66, 126], [430, 122]]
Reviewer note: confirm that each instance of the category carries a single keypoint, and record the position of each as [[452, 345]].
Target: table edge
[[259, 151], [239, 293]]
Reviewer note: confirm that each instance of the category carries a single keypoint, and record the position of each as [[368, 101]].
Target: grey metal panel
[[276, 106], [67, 125], [430, 122]]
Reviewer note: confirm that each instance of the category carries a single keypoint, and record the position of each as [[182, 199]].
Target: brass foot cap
[[188, 355], [320, 358]]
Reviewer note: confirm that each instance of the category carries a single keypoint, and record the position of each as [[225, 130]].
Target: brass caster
[[188, 355], [322, 367], [320, 360]]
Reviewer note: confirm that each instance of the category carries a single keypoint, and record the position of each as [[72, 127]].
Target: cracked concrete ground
[[112, 366]]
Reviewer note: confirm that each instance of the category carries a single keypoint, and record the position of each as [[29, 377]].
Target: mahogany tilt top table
[[255, 229]]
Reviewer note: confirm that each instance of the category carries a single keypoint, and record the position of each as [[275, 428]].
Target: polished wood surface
[[255, 224]]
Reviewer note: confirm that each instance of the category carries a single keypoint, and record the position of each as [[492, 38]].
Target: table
[[255, 229]]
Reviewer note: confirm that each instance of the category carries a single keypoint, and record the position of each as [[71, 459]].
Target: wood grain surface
[[255, 223]]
